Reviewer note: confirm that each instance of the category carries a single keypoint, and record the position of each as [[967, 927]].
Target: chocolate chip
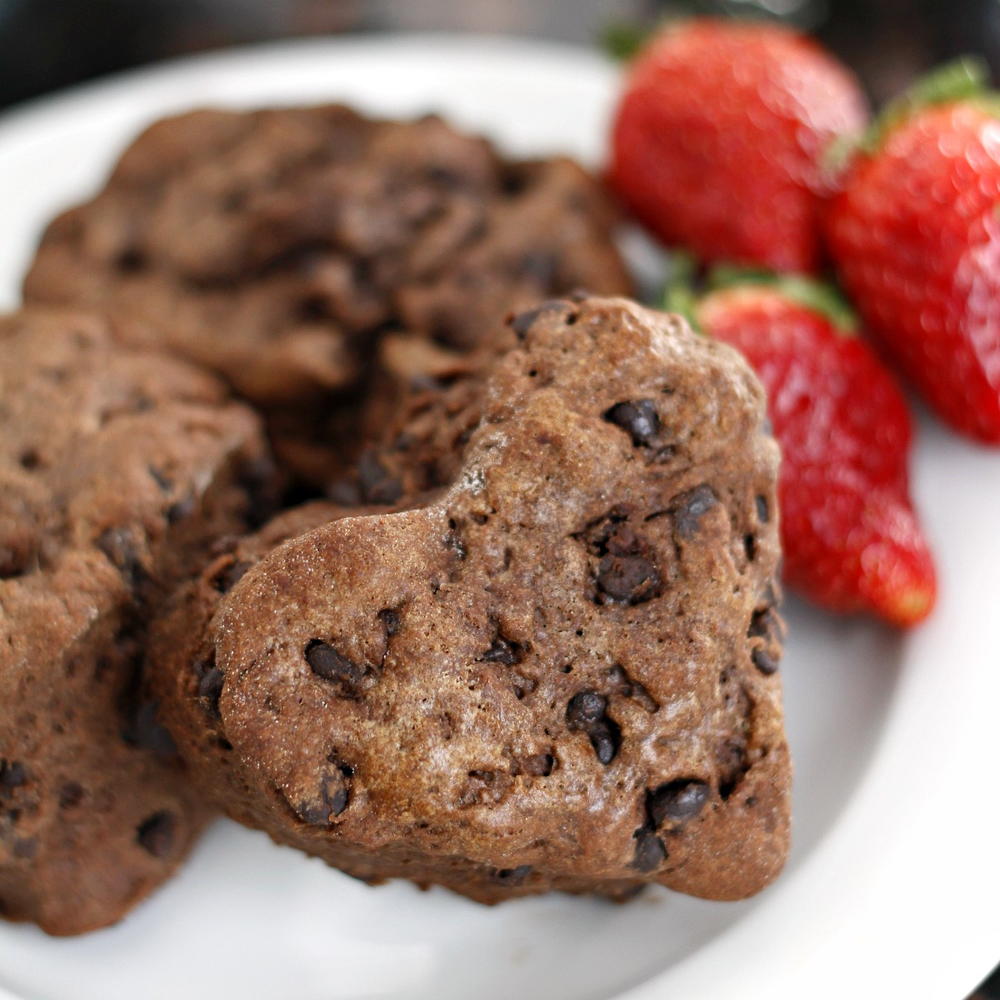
[[627, 572], [688, 508], [764, 662], [142, 729], [677, 801], [628, 579], [377, 485], [327, 663], [390, 620], [512, 876], [230, 575], [156, 834], [70, 794], [763, 513], [621, 683], [638, 417], [30, 459], [210, 688], [649, 850], [120, 549], [587, 712], [523, 321], [332, 797], [13, 774], [504, 651]]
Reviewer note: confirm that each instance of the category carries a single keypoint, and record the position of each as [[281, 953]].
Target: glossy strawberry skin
[[915, 236], [851, 538], [718, 140]]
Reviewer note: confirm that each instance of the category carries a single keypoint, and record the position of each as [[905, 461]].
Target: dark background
[[48, 44]]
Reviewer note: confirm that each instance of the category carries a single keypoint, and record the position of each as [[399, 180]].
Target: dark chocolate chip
[[763, 512], [142, 729], [523, 321], [649, 850], [30, 459], [389, 617], [627, 572], [13, 774], [750, 547], [332, 798], [327, 663], [120, 549], [688, 508], [156, 834], [628, 579], [764, 662], [70, 794], [587, 712], [677, 801], [637, 417], [512, 876], [585, 709], [210, 688], [377, 485], [504, 651]]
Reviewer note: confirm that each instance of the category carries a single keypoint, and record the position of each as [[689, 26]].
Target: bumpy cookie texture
[[118, 468], [274, 245], [559, 673]]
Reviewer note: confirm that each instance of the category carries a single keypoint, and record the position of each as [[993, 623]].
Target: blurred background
[[49, 44], [45, 44]]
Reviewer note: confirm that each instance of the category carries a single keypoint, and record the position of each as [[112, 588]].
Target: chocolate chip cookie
[[118, 470], [558, 672], [276, 246]]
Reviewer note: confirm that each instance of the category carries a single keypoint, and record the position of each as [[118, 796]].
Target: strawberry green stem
[[963, 79], [815, 295]]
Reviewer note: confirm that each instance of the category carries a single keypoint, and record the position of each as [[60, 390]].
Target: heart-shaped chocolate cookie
[[559, 673]]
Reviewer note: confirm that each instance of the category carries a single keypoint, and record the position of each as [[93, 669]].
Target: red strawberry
[[718, 140], [851, 539], [916, 239]]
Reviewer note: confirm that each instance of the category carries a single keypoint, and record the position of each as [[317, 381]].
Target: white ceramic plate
[[893, 887]]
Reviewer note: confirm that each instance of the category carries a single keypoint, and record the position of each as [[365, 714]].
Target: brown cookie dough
[[545, 677], [118, 469], [276, 246]]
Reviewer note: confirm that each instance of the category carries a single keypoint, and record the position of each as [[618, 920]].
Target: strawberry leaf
[[964, 79], [814, 295]]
